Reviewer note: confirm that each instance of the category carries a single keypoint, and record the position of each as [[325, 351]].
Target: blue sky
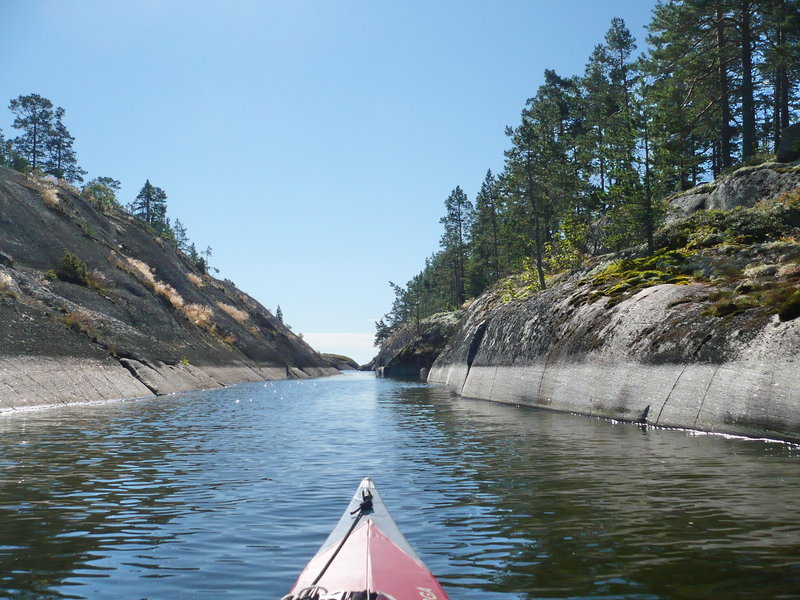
[[310, 143]]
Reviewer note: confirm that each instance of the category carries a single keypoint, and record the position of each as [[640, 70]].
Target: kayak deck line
[[366, 557]]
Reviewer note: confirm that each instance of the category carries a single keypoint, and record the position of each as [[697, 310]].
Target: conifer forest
[[595, 154]]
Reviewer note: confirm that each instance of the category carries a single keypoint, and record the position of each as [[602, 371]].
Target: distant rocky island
[[95, 305]]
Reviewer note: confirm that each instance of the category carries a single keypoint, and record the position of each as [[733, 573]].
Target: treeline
[[44, 147], [594, 153]]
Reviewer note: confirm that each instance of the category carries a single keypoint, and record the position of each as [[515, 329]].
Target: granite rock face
[[744, 187], [148, 321], [656, 357], [410, 352], [340, 362]]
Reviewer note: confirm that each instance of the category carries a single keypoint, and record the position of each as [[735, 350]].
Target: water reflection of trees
[[557, 505]]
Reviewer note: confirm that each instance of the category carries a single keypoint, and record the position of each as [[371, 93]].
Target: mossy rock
[[651, 274], [723, 309], [618, 289], [680, 280]]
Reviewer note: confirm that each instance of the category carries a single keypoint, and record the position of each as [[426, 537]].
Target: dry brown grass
[[195, 279], [169, 292], [230, 339], [99, 280], [254, 330], [141, 270], [198, 314], [7, 285], [64, 184], [50, 196], [79, 321], [240, 315]]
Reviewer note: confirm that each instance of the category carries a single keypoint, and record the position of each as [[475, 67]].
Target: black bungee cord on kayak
[[313, 590], [365, 506]]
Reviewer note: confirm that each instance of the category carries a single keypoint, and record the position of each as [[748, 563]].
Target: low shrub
[[50, 196], [72, 269], [99, 280]]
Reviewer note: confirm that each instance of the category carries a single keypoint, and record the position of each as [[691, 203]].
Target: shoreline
[[41, 383]]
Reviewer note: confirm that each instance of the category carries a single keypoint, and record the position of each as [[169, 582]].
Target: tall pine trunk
[[649, 219], [778, 74], [748, 104], [725, 134], [495, 241]]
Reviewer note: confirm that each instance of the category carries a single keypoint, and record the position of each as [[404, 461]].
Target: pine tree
[[382, 332], [102, 191], [60, 160], [34, 116], [6, 152], [150, 206], [279, 314], [779, 44], [484, 263], [457, 223], [181, 236], [690, 88]]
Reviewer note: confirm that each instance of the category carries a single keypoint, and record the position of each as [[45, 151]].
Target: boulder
[[744, 187]]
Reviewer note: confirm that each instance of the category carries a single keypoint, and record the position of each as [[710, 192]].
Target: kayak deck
[[366, 556]]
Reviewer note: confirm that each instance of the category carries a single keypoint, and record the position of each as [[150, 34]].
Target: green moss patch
[[623, 278], [790, 309]]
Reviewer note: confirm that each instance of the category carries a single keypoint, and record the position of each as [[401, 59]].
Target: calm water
[[227, 494]]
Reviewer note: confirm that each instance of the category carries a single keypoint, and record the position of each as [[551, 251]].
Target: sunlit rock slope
[[703, 335], [144, 321]]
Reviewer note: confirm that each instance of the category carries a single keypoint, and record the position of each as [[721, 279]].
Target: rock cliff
[[410, 351], [341, 362], [124, 314], [704, 335]]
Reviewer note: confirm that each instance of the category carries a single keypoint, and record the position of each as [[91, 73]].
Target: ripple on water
[[196, 495]]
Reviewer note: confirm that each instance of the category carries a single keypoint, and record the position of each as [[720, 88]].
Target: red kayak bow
[[366, 558]]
